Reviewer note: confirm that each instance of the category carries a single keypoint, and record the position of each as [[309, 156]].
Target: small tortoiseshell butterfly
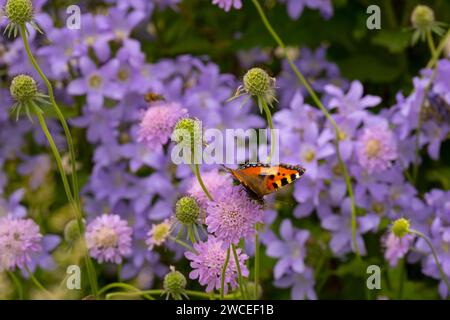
[[262, 179]]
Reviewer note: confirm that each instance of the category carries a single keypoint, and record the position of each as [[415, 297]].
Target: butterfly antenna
[[226, 168]]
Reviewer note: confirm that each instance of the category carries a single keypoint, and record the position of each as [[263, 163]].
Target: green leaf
[[366, 67], [394, 41]]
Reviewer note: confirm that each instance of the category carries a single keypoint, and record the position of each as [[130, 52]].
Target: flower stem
[[37, 283], [205, 295], [75, 199], [439, 50], [272, 132], [430, 42], [200, 181], [238, 267], [191, 233], [145, 294], [257, 261], [402, 266], [57, 156], [17, 284], [182, 243], [124, 286], [433, 252], [224, 270], [319, 104]]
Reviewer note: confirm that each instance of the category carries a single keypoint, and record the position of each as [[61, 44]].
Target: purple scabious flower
[[340, 227], [315, 67], [441, 83], [37, 167], [12, 206], [108, 238], [314, 145], [208, 261], [376, 148], [157, 124], [97, 83], [353, 103], [233, 216], [216, 183], [94, 34], [228, 4], [19, 240], [290, 251], [296, 7], [59, 52], [301, 284], [396, 248]]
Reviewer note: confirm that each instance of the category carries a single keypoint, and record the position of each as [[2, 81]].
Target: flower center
[[90, 40], [342, 135], [160, 232], [378, 207], [296, 252], [68, 52], [123, 75], [95, 81], [373, 147], [310, 156], [120, 34], [16, 236], [106, 237]]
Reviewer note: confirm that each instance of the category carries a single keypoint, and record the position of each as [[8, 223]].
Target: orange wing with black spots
[[261, 179]]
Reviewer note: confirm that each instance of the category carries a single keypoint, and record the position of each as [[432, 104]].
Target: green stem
[[387, 5], [113, 285], [205, 295], [124, 286], [238, 267], [109, 296], [433, 252], [257, 261], [17, 284], [319, 104], [182, 243], [272, 132], [147, 293], [224, 270], [402, 267], [439, 50], [37, 283], [191, 233], [430, 42], [75, 199], [57, 156], [200, 181]]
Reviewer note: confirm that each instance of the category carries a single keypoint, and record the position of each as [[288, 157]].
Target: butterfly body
[[262, 179]]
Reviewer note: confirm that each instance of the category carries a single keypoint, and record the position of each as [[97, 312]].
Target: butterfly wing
[[251, 179], [261, 179]]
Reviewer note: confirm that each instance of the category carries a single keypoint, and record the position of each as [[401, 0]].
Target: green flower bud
[[23, 88], [71, 231], [400, 227], [188, 133], [174, 283], [187, 210], [422, 17], [19, 12], [257, 82]]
